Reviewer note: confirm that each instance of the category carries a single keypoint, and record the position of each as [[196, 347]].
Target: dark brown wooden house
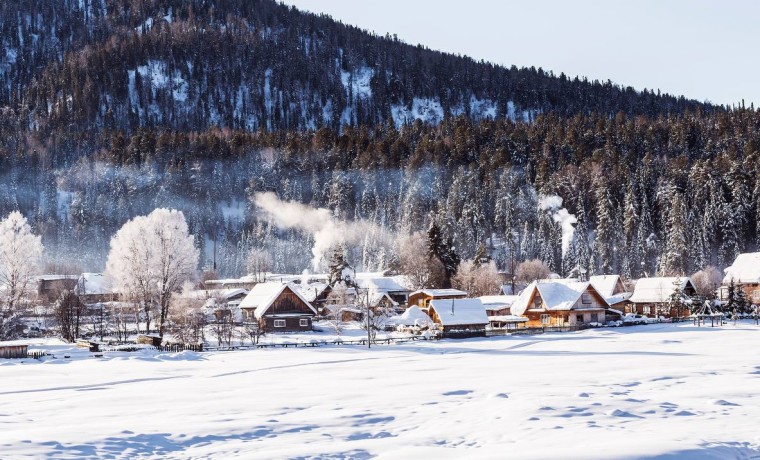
[[277, 307]]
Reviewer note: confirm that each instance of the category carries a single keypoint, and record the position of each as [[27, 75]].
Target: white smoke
[[318, 222], [560, 215]]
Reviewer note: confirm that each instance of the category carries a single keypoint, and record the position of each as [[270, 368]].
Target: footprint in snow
[[723, 402], [684, 413], [622, 413], [457, 393]]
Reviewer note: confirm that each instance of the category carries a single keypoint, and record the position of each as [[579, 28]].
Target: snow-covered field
[[658, 390]]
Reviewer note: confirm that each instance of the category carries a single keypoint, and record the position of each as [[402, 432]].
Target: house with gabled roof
[[613, 290], [744, 273], [652, 296], [278, 307], [457, 317], [560, 302]]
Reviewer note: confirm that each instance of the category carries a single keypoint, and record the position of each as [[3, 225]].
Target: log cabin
[[561, 302], [278, 307], [651, 296]]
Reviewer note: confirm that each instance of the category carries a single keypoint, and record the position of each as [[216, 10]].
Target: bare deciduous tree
[[421, 270], [477, 279], [532, 270], [69, 311], [706, 281]]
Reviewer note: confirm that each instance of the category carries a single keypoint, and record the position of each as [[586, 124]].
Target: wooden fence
[[14, 352]]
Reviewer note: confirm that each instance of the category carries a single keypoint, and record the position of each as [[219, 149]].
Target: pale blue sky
[[705, 50]]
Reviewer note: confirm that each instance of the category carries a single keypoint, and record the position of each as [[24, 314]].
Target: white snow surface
[[665, 390], [745, 269]]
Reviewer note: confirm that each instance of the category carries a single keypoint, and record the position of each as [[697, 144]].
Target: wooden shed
[[459, 317]]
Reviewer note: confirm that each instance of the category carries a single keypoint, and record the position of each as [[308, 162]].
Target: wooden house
[[278, 307], [422, 298], [560, 302], [652, 296], [745, 274], [499, 311], [457, 317], [377, 285], [613, 290], [50, 287]]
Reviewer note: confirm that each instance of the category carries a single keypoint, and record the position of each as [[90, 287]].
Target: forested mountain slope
[[109, 109]]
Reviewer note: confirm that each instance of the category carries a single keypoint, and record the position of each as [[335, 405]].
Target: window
[[586, 299], [536, 302], [647, 310], [544, 319], [279, 323], [578, 318], [303, 322], [594, 317]]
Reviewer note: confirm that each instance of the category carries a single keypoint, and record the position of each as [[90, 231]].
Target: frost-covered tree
[[20, 254], [151, 257], [706, 281]]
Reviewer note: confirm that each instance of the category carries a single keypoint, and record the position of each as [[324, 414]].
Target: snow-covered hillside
[[661, 390]]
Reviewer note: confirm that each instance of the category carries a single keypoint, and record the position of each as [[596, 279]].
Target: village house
[[560, 302], [652, 297], [457, 317], [278, 307], [499, 311], [50, 287], [93, 288], [613, 290], [377, 285], [316, 293], [422, 298], [745, 273]]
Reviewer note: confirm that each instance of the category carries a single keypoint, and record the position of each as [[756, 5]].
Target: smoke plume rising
[[319, 222], [553, 204]]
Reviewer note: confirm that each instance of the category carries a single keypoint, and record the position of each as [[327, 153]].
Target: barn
[[278, 307]]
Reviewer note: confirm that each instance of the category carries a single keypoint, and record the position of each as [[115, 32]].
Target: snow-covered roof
[[263, 295], [459, 312], [92, 283], [413, 316], [377, 297], [745, 269], [311, 291], [491, 301], [657, 290], [379, 283], [248, 279], [440, 292], [508, 319], [617, 298], [55, 277], [557, 294], [605, 284]]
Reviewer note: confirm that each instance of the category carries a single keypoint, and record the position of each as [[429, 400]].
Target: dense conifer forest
[[111, 108]]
